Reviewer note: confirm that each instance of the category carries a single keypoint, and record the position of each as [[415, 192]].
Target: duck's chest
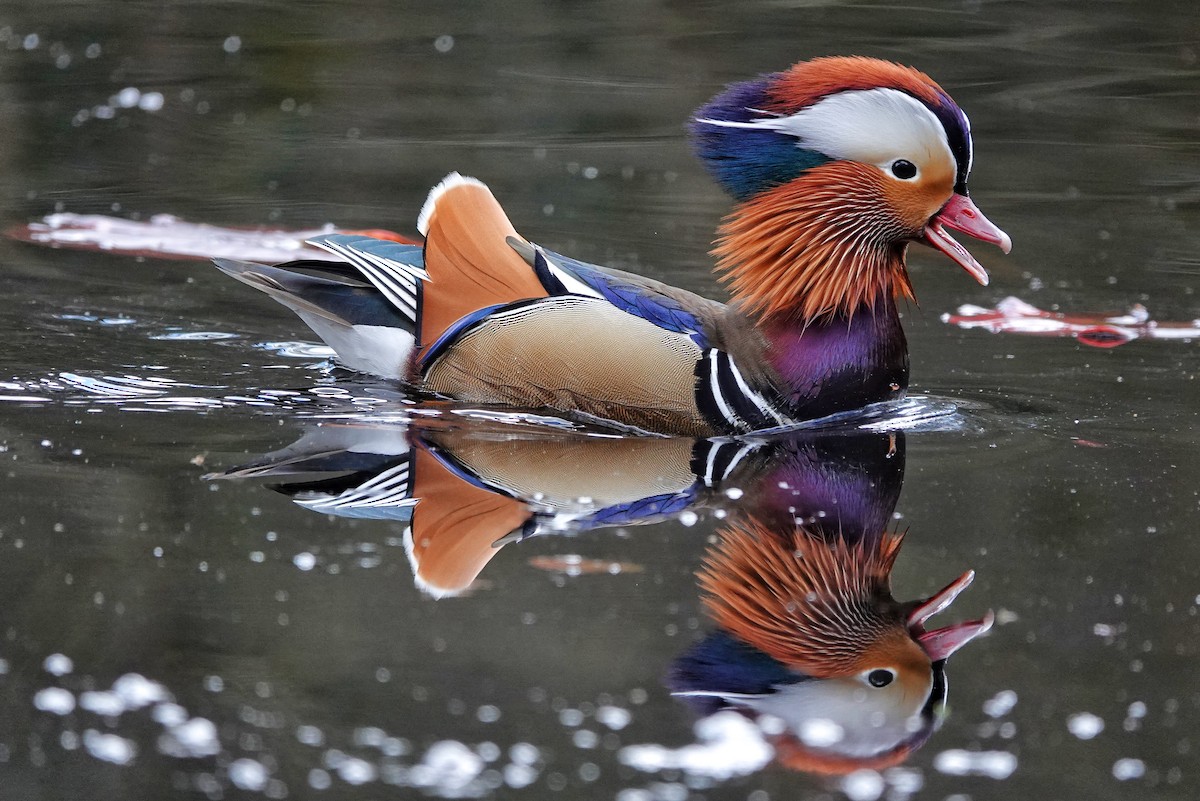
[[841, 363]]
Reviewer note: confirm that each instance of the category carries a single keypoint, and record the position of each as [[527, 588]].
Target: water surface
[[289, 653]]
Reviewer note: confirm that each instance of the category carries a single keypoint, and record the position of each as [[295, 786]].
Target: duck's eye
[[880, 677], [904, 169]]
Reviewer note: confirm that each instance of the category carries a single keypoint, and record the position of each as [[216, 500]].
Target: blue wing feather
[[637, 299], [721, 664], [642, 509]]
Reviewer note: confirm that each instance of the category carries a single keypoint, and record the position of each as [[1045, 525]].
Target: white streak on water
[[993, 764]]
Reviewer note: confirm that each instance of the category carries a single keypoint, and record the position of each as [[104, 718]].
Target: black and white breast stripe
[[726, 400], [715, 460], [399, 282]]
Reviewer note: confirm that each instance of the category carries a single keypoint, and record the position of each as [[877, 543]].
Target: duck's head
[[809, 633], [837, 164]]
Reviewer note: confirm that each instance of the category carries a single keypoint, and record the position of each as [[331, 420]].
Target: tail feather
[[282, 286], [364, 326]]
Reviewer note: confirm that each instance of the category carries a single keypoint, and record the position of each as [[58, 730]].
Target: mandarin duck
[[835, 166], [808, 633]]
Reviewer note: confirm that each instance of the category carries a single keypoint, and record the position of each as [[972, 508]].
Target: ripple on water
[[297, 350], [194, 336]]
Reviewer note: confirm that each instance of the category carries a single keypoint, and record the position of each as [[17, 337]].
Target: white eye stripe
[[872, 126], [970, 150]]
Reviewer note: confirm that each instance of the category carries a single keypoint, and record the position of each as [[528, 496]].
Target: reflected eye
[[880, 677], [903, 169]]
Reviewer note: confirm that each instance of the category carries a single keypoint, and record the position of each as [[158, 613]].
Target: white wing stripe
[[392, 278], [407, 273], [569, 282], [382, 280]]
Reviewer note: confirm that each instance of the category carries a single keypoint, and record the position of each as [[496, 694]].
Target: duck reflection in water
[[808, 640]]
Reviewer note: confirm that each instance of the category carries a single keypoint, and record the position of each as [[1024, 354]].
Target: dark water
[[301, 659]]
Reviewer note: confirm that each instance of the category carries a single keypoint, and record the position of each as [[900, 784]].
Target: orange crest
[[809, 81]]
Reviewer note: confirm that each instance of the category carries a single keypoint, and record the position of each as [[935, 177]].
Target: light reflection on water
[[295, 645]]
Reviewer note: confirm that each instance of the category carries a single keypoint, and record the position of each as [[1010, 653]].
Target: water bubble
[[1128, 768], [524, 754], [1000, 704], [193, 738], [353, 770], [109, 747], [248, 774], [614, 717], [127, 97], [584, 738], [55, 700], [444, 43], [58, 665], [169, 715], [958, 762], [518, 776], [863, 785], [232, 44], [1085, 725], [102, 703], [151, 101]]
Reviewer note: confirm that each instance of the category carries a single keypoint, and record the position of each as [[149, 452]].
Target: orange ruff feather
[[827, 242], [815, 606]]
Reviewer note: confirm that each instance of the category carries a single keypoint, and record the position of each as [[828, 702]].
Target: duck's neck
[[839, 362], [818, 263]]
